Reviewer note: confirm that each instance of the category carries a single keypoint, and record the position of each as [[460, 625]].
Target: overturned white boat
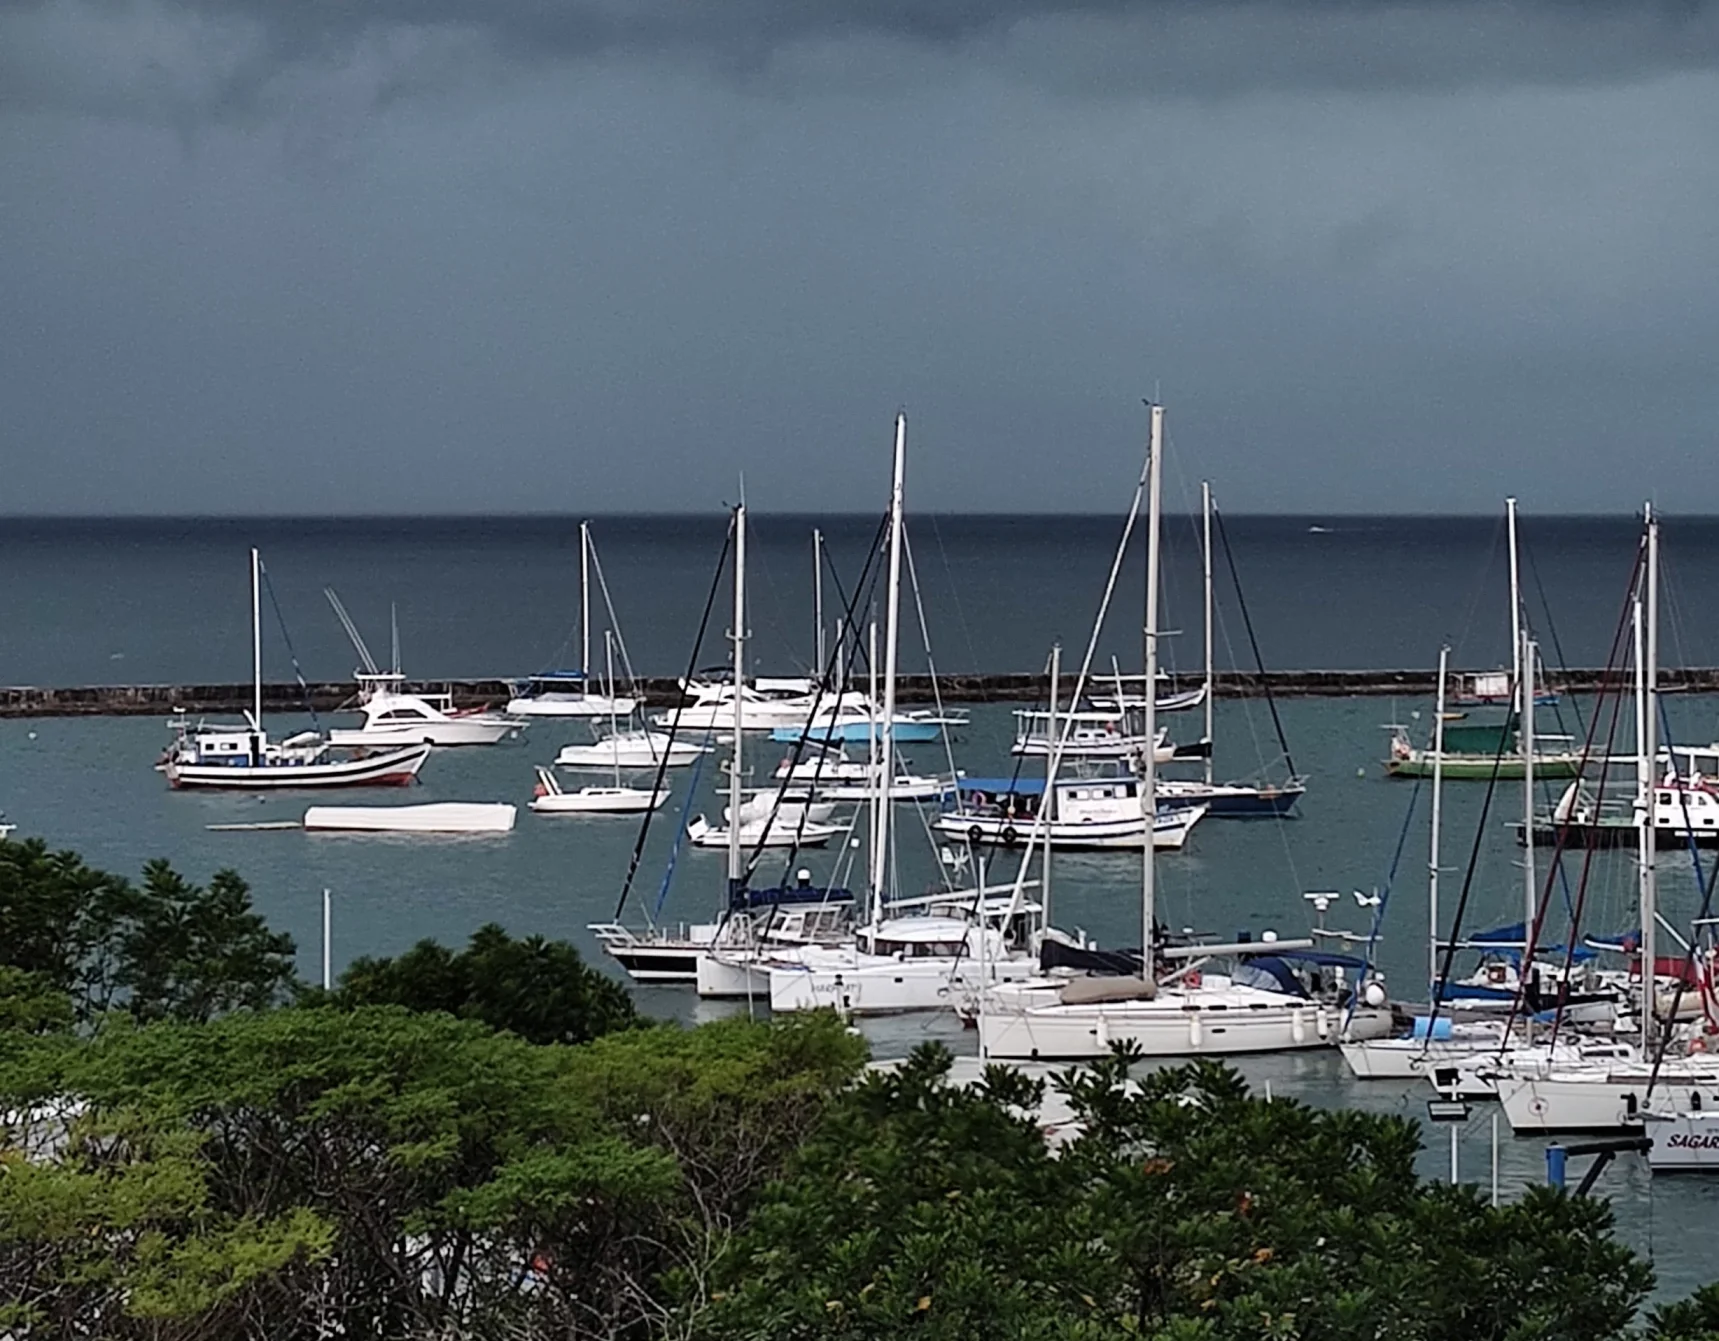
[[436, 817]]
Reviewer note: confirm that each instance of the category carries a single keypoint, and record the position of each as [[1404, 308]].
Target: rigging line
[[674, 724], [1557, 643], [1479, 588], [297, 672], [1253, 642], [1467, 878], [930, 661], [955, 594], [825, 679], [614, 623], [1378, 920], [1561, 832], [678, 840], [1703, 885]]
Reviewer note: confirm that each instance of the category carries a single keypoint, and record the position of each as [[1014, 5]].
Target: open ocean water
[[125, 602]]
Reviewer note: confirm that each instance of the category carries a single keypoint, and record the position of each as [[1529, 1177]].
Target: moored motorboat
[[394, 716]]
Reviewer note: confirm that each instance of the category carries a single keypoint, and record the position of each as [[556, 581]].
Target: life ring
[[1010, 837]]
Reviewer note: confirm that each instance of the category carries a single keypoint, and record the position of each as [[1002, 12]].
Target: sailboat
[[1234, 799], [566, 693], [243, 757], [786, 914], [550, 798], [917, 954], [1171, 1005], [1480, 751], [1616, 1093]]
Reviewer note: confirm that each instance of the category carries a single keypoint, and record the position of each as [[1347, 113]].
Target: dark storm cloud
[[158, 58]]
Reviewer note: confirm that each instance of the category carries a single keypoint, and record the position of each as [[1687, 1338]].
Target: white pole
[[1650, 779], [873, 876], [1453, 1143], [891, 636], [818, 602], [585, 607], [1495, 1157], [1530, 883], [1437, 816], [1515, 610], [736, 869], [1149, 769], [1206, 565], [327, 942], [256, 643], [1050, 784]]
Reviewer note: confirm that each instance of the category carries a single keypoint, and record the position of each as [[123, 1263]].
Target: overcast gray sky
[[598, 255]]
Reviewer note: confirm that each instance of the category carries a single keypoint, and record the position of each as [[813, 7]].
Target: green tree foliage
[[541, 990], [167, 949], [1186, 1210], [383, 1173]]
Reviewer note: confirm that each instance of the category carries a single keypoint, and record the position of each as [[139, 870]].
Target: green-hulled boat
[[1481, 752]]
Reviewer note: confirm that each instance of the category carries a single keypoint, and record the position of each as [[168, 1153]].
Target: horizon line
[[685, 513]]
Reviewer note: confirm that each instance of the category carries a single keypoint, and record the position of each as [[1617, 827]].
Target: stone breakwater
[[162, 700]]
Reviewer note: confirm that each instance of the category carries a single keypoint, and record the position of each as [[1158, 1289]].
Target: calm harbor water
[[142, 602], [87, 785]]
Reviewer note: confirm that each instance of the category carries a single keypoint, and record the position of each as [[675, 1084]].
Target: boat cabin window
[[397, 714], [1666, 798]]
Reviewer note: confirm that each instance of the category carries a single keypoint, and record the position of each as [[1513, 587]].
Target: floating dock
[[159, 700]]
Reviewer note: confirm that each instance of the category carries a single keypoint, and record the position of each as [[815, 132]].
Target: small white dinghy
[[435, 817], [550, 799]]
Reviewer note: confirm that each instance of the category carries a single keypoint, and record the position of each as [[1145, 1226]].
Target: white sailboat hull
[[1175, 1024], [867, 985], [1684, 1143], [1128, 833], [1614, 1101], [629, 752], [600, 801], [571, 705]]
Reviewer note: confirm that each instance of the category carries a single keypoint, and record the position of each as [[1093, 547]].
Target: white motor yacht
[[392, 716]]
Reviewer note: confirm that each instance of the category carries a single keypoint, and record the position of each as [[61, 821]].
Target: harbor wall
[[164, 700]]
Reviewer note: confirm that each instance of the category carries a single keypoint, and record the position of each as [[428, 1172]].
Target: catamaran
[[243, 757]]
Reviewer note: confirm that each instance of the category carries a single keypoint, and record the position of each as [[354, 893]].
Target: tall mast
[[1647, 701], [256, 641], [585, 606], [871, 786], [1522, 708], [818, 603], [891, 636], [1206, 574], [614, 725], [1530, 885], [736, 869], [1149, 768], [1050, 784], [394, 634], [1437, 816]]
